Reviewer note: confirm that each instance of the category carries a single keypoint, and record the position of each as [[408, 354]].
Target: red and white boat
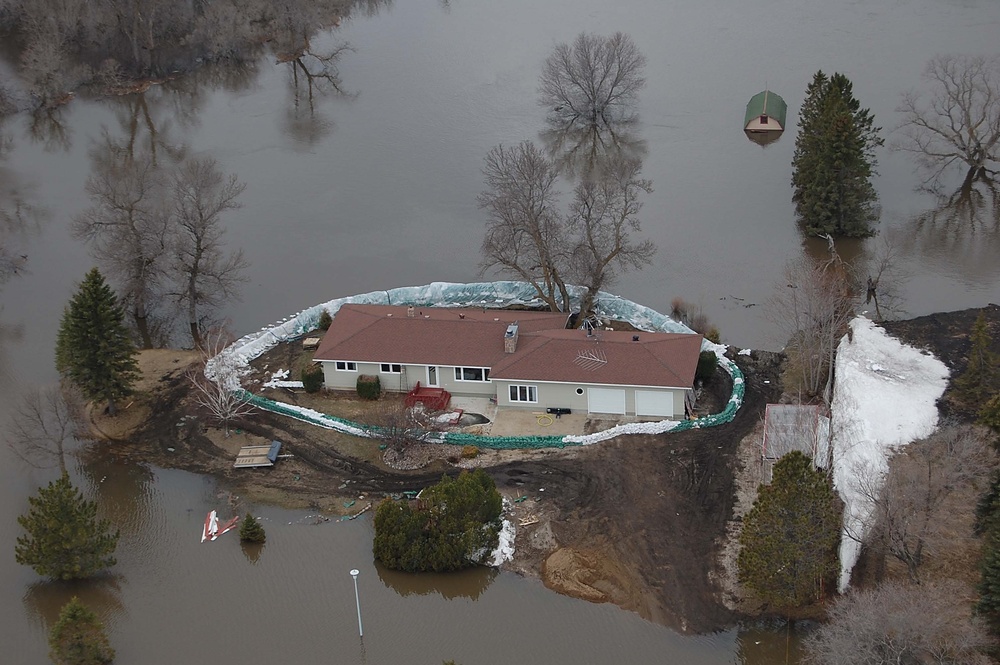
[[213, 529]]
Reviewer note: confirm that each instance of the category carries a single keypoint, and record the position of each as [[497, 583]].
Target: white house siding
[[341, 380], [563, 395]]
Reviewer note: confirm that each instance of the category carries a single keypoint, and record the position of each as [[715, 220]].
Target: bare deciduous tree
[[910, 518], [45, 421], [525, 235], [127, 226], [205, 276], [216, 380], [896, 623], [813, 305], [958, 121], [602, 218], [398, 426], [596, 79]]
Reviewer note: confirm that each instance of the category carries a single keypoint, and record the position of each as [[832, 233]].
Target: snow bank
[[885, 396], [505, 547]]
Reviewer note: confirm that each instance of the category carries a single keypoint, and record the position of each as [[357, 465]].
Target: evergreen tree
[[981, 375], [989, 584], [64, 540], [988, 507], [789, 538], [93, 347], [834, 161], [78, 638], [252, 531], [989, 415], [455, 525]]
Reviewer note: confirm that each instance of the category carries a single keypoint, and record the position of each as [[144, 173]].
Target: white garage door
[[654, 403], [606, 400]]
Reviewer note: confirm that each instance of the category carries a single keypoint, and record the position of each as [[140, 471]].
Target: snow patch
[[875, 410]]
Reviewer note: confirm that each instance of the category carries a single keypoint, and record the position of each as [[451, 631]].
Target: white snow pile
[[884, 397], [505, 547], [744, 352]]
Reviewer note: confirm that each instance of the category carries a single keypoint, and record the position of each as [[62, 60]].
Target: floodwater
[[377, 189]]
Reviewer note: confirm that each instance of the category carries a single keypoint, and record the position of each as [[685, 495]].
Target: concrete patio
[[516, 422]]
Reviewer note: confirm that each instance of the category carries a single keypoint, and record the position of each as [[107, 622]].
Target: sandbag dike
[[497, 295]]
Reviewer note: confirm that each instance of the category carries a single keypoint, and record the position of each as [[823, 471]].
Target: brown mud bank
[[636, 521]]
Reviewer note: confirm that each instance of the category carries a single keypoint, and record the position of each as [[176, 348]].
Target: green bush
[[707, 362], [78, 638], [369, 387], [325, 320], [312, 378], [251, 531], [456, 524]]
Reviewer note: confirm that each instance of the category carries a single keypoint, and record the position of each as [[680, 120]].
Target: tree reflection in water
[[581, 149], [469, 583], [43, 600], [964, 224]]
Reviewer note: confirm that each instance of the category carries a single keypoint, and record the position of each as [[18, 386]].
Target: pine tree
[[252, 531], [989, 584], [78, 638], [93, 347], [834, 161], [989, 415], [789, 538], [64, 540], [981, 375]]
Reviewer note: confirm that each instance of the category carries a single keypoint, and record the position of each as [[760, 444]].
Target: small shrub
[[369, 387], [713, 335], [312, 378], [325, 320], [78, 637], [252, 531], [470, 452], [707, 362]]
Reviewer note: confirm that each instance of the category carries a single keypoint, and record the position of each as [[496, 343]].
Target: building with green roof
[[766, 112]]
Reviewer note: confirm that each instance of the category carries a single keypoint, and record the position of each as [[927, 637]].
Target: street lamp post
[[357, 600]]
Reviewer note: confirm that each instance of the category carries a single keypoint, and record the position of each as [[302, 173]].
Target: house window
[[523, 393], [391, 368], [345, 366], [472, 373]]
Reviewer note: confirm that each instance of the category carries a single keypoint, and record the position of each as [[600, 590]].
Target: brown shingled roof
[[546, 351], [656, 359]]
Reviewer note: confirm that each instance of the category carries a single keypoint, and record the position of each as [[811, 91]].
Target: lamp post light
[[357, 600]]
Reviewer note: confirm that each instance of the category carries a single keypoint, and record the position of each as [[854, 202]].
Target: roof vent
[[635, 338], [409, 311]]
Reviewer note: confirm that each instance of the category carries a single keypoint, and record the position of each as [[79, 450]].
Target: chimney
[[635, 338], [409, 311], [510, 338]]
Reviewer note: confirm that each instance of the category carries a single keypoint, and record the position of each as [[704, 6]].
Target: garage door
[[606, 400], [654, 403]]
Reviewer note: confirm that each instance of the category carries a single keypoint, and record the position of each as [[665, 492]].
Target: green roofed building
[[765, 113]]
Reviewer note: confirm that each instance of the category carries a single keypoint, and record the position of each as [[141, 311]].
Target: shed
[[256, 456], [766, 112], [791, 427]]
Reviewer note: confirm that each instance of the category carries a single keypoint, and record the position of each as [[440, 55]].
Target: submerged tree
[[128, 227], [596, 79], [205, 276], [65, 540], [78, 638], [789, 538], [834, 161], [957, 122], [252, 531], [44, 423], [93, 347]]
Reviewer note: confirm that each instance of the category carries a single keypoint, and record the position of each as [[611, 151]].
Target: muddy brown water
[[377, 191]]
